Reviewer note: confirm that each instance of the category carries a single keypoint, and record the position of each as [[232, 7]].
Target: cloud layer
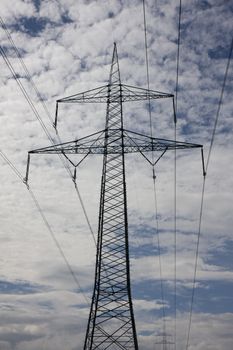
[[67, 47]]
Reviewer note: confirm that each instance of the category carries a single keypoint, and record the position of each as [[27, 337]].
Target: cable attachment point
[[174, 111], [25, 179], [56, 116], [203, 162], [74, 176], [154, 176], [55, 127]]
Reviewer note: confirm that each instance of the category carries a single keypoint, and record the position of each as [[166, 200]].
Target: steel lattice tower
[[111, 308], [111, 323]]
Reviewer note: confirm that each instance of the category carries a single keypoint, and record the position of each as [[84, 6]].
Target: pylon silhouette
[[111, 323]]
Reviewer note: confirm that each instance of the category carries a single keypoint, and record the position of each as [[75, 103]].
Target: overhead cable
[[175, 106], [49, 228], [203, 191], [25, 94], [196, 261], [25, 69], [34, 110], [219, 104], [178, 55], [147, 66], [154, 185]]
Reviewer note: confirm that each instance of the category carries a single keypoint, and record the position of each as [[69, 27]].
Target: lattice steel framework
[[111, 323]]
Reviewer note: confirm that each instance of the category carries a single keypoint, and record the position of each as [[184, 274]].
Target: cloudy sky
[[67, 47]]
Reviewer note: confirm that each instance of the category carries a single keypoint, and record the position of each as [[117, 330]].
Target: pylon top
[[114, 77], [115, 92], [128, 92]]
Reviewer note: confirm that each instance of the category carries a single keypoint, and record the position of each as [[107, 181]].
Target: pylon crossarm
[[96, 95], [145, 143], [133, 93], [79, 146], [64, 149], [128, 93], [133, 142]]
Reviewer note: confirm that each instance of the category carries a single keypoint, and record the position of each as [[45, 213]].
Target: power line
[[219, 104], [203, 191], [29, 77], [53, 236], [27, 97], [159, 255], [175, 107], [25, 69], [154, 186], [85, 212], [196, 261], [178, 56], [57, 244], [15, 170], [25, 94], [147, 65], [34, 110], [175, 236]]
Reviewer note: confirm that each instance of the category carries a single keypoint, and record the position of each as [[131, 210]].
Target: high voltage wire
[[34, 110], [219, 104], [85, 212], [203, 190], [154, 185], [57, 244], [178, 55], [32, 106], [25, 69], [28, 75], [53, 236], [25, 94], [175, 239], [159, 254], [196, 261], [147, 64], [27, 97], [17, 173], [175, 106]]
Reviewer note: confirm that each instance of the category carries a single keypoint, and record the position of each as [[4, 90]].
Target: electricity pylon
[[111, 323]]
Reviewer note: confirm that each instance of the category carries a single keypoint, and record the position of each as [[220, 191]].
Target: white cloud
[[73, 56]]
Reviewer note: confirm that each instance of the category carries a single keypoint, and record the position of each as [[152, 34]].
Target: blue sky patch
[[222, 256], [66, 19], [18, 287], [219, 52], [146, 250], [37, 4], [30, 25], [47, 305], [210, 297], [215, 298]]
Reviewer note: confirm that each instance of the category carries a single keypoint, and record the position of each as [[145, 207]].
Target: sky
[[67, 47]]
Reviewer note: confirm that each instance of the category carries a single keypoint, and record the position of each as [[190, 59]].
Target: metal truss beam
[[101, 95], [133, 142]]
